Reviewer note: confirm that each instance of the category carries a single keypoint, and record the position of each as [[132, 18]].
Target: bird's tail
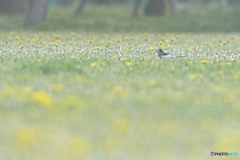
[[181, 56]]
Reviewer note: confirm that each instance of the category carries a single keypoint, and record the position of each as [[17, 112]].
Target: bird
[[164, 55]]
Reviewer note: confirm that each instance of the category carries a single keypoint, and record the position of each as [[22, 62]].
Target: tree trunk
[[80, 6], [37, 13], [136, 7], [13, 6], [173, 7], [155, 7]]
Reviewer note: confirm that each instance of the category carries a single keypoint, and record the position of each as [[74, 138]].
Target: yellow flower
[[7, 92], [102, 64], [96, 48], [127, 48], [205, 61], [25, 77], [207, 43], [147, 57], [57, 88], [55, 44], [153, 82], [107, 44], [9, 38], [225, 64], [126, 39], [129, 64], [169, 46], [152, 48], [232, 59], [239, 55], [166, 41], [161, 42], [80, 147], [121, 126], [90, 41], [72, 101], [119, 92], [45, 47], [43, 98], [21, 46], [17, 38], [191, 49], [93, 64], [123, 59], [119, 39], [26, 138], [173, 39], [223, 43]]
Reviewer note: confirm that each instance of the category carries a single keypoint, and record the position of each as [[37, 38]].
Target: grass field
[[103, 96], [93, 87]]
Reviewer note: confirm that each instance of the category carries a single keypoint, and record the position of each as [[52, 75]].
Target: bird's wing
[[168, 56], [165, 53]]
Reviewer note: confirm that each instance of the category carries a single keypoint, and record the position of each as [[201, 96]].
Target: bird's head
[[159, 51]]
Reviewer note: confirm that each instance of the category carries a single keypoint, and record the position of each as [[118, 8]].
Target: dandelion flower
[[129, 64], [204, 61], [57, 88], [232, 59], [96, 48], [123, 59], [93, 64], [146, 57], [166, 41], [127, 48], [102, 64], [152, 48], [45, 47], [55, 44], [21, 46], [190, 49], [43, 98]]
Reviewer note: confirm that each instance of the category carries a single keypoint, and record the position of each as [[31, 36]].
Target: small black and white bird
[[164, 55]]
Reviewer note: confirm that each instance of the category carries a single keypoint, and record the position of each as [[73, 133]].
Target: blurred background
[[121, 15]]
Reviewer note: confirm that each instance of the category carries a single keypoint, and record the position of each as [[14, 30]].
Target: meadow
[[107, 95]]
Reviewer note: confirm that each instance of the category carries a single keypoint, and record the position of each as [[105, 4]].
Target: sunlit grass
[[70, 94]]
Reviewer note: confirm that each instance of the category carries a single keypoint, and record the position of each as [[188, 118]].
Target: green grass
[[61, 94], [118, 19]]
